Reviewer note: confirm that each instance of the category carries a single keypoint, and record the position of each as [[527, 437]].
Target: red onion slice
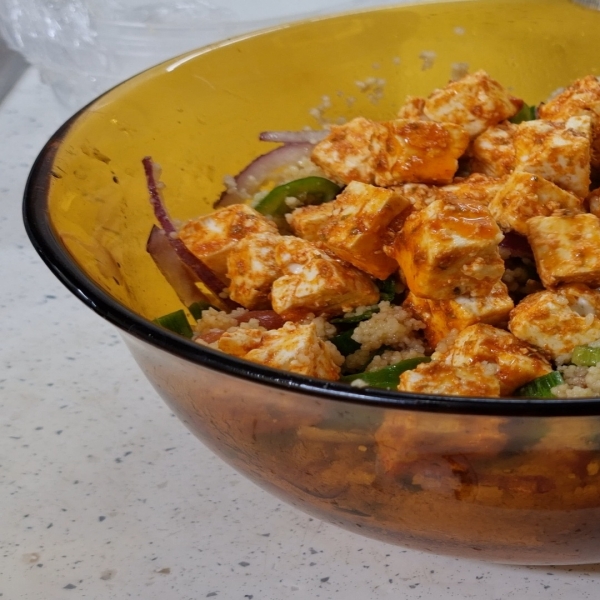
[[212, 336], [268, 319], [152, 171], [517, 245], [177, 274], [249, 180], [192, 262], [293, 137]]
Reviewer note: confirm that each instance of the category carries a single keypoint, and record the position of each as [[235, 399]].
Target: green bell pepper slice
[[309, 190], [196, 309], [176, 322], [344, 343], [527, 113]]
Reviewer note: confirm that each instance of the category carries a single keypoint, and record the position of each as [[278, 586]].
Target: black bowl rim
[[54, 254]]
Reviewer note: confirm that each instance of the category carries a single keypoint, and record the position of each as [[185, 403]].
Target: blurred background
[[83, 47]]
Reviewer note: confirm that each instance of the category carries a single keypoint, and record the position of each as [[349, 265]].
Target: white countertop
[[104, 494]]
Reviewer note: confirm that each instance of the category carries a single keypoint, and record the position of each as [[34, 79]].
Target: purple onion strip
[[249, 180], [204, 273]]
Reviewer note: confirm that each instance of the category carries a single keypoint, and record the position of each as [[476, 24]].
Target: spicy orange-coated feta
[[252, 269], [412, 108], [211, 237], [493, 152], [392, 152], [297, 348], [524, 196], [556, 150], [419, 194], [238, 341], [518, 362], [438, 377], [566, 249], [356, 230], [441, 317], [582, 97], [557, 321], [315, 282], [476, 187], [350, 151], [419, 152], [476, 102], [450, 249], [307, 221]]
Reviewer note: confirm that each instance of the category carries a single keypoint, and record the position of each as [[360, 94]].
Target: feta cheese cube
[[493, 152], [238, 341], [524, 196], [440, 378], [417, 151], [252, 269], [475, 102], [412, 108], [393, 152], [518, 362], [566, 249], [556, 150], [315, 282], [581, 98], [211, 237], [297, 348], [307, 221], [441, 317], [349, 152], [418, 194], [475, 187], [557, 321], [450, 249], [356, 231]]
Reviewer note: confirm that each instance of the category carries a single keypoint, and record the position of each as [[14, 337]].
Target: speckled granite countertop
[[104, 494]]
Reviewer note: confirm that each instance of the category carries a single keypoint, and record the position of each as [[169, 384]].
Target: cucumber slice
[[541, 387], [585, 356], [388, 377]]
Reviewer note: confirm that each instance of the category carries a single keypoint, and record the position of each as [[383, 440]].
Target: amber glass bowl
[[502, 480]]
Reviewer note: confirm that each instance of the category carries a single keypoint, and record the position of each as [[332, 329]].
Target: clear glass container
[[503, 479]]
